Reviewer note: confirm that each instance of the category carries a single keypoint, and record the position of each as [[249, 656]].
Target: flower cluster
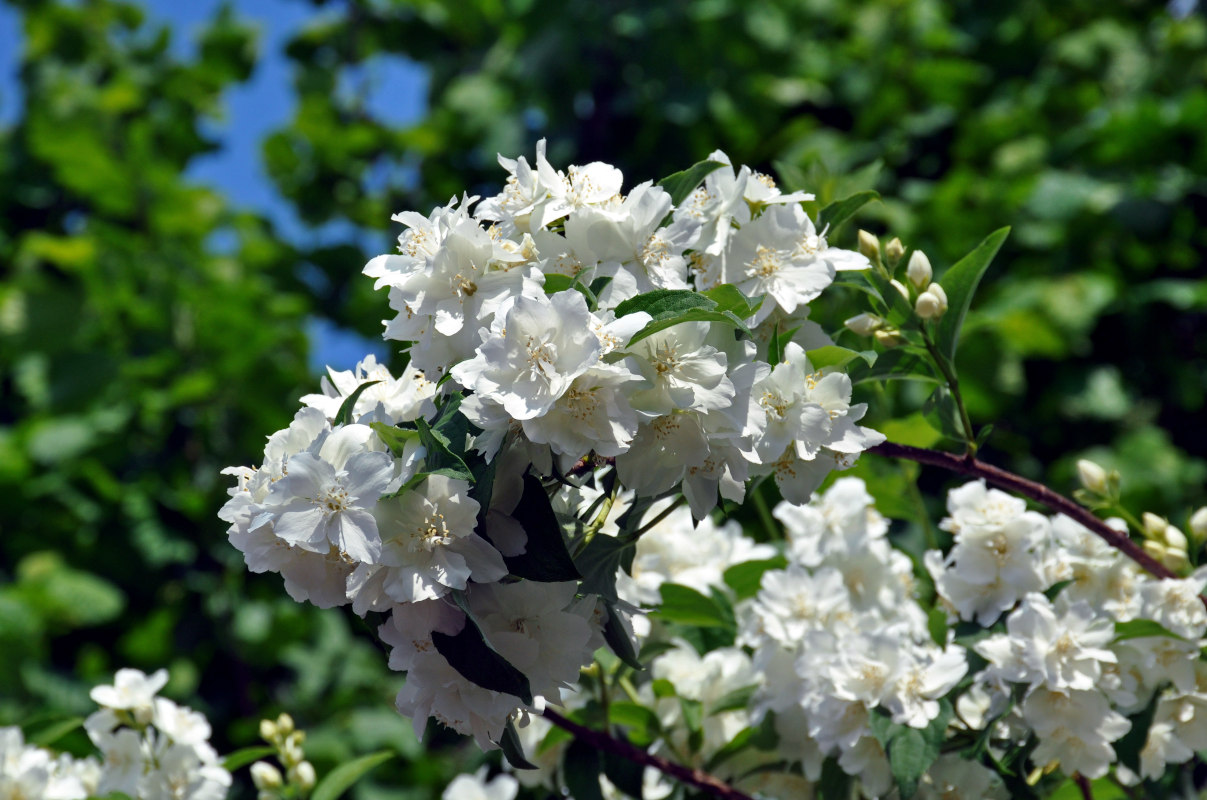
[[638, 346], [151, 749]]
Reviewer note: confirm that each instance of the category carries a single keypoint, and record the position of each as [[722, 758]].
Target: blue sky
[[397, 94]]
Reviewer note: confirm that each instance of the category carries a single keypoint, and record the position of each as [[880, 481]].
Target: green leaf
[[665, 303], [694, 315], [909, 757], [834, 783], [681, 184], [892, 365], [248, 755], [344, 415], [775, 346], [556, 282], [746, 578], [340, 779], [960, 283], [439, 453], [48, 734], [936, 624], [641, 721], [512, 749], [625, 774], [733, 700], [834, 356], [545, 558], [581, 766], [730, 298], [737, 744], [840, 211], [1139, 628], [598, 564], [693, 719], [469, 653], [686, 606], [943, 414], [395, 438], [618, 638], [1129, 746]]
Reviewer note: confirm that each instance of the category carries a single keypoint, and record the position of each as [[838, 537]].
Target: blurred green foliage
[[151, 330]]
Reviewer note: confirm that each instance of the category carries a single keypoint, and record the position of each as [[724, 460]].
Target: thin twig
[[1036, 491], [602, 741], [1083, 783]]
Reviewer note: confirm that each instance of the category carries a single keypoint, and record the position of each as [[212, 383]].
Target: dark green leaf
[[693, 720], [681, 184], [581, 766], [665, 303], [694, 315], [344, 415], [776, 345], [625, 774], [909, 757], [746, 578], [895, 364], [598, 564], [556, 282], [439, 453], [618, 638], [642, 722], [545, 558], [834, 783], [960, 283], [1129, 746], [241, 758], [840, 211], [48, 734], [734, 746], [512, 749], [340, 779], [936, 624], [470, 654]]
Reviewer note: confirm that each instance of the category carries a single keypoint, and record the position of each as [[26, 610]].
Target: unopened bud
[[1155, 549], [1198, 523], [864, 324], [889, 337], [938, 292], [927, 306], [268, 730], [1093, 477], [919, 271], [1175, 560], [1175, 539], [266, 777], [900, 288], [1154, 526], [285, 724], [291, 750], [303, 776], [869, 246], [266, 795], [893, 251]]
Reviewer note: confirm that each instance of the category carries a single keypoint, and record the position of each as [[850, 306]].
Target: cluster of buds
[[1165, 543], [927, 297], [299, 777]]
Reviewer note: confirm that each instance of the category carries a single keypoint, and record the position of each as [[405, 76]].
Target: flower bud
[[1155, 549], [889, 337], [919, 271], [938, 292], [864, 324], [1198, 523], [266, 777], [1093, 477], [893, 251], [1175, 560], [303, 775], [285, 724], [265, 795], [1175, 539], [869, 246], [268, 730], [927, 306], [900, 288], [1154, 526]]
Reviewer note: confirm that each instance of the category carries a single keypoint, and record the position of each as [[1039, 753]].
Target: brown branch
[[602, 741], [1083, 783], [965, 465]]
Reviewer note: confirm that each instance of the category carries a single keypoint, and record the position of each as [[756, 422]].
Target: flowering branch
[[602, 741], [969, 465]]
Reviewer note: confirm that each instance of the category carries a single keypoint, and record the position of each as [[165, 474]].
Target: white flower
[[536, 348], [593, 415], [684, 373], [429, 545], [434, 689], [476, 787], [132, 690], [328, 494], [401, 399], [955, 778], [1074, 728]]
